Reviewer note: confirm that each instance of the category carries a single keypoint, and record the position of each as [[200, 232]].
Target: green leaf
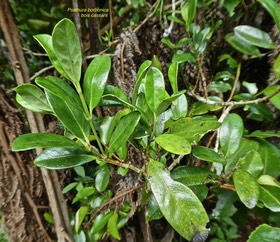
[[275, 100], [113, 96], [265, 233], [219, 86], [189, 12], [41, 140], [156, 62], [106, 129], [194, 128], [63, 157], [269, 181], [49, 218], [192, 176], [123, 131], [207, 154], [66, 45], [167, 102], [66, 105], [270, 156], [45, 41], [276, 67], [230, 134], [270, 197], [245, 146], [174, 143], [69, 187], [254, 36], [33, 98], [140, 75], [112, 228], [83, 194], [199, 108], [179, 108], [102, 178], [79, 217], [179, 205], [95, 80], [154, 88], [100, 221], [264, 134], [172, 75], [273, 8], [252, 163], [242, 46], [153, 211], [246, 187]]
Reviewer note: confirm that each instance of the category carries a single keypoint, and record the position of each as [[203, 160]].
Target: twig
[[40, 72], [175, 162], [27, 51], [235, 81], [167, 31], [234, 103]]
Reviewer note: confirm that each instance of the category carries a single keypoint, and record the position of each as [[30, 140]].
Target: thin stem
[[238, 71]]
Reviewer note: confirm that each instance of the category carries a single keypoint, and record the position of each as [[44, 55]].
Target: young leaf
[[140, 75], [102, 178], [174, 143], [230, 134], [154, 88], [45, 41], [172, 75], [33, 98], [41, 140], [63, 157], [66, 45], [95, 80], [100, 221], [246, 187], [254, 36], [273, 8], [66, 105], [80, 215], [242, 45], [123, 131], [179, 205], [207, 154], [264, 233], [112, 228]]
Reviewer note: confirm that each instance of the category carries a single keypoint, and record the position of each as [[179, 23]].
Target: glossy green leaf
[[67, 48], [246, 187], [49, 218], [189, 12], [275, 100], [106, 129], [207, 154], [95, 80], [153, 211], [245, 146], [140, 75], [199, 108], [167, 102], [191, 176], [102, 178], [173, 143], [264, 134], [276, 67], [69, 187], [123, 131], [100, 221], [63, 157], [181, 57], [154, 88], [194, 128], [254, 36], [179, 108], [265, 233], [45, 41], [268, 180], [172, 75], [231, 133], [156, 63], [83, 194], [113, 96], [273, 8], [79, 217], [41, 140], [33, 98], [66, 105], [270, 156], [179, 205], [270, 197], [219, 86], [242, 46], [112, 228], [252, 163]]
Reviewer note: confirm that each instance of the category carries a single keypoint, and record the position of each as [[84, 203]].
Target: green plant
[[163, 130]]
